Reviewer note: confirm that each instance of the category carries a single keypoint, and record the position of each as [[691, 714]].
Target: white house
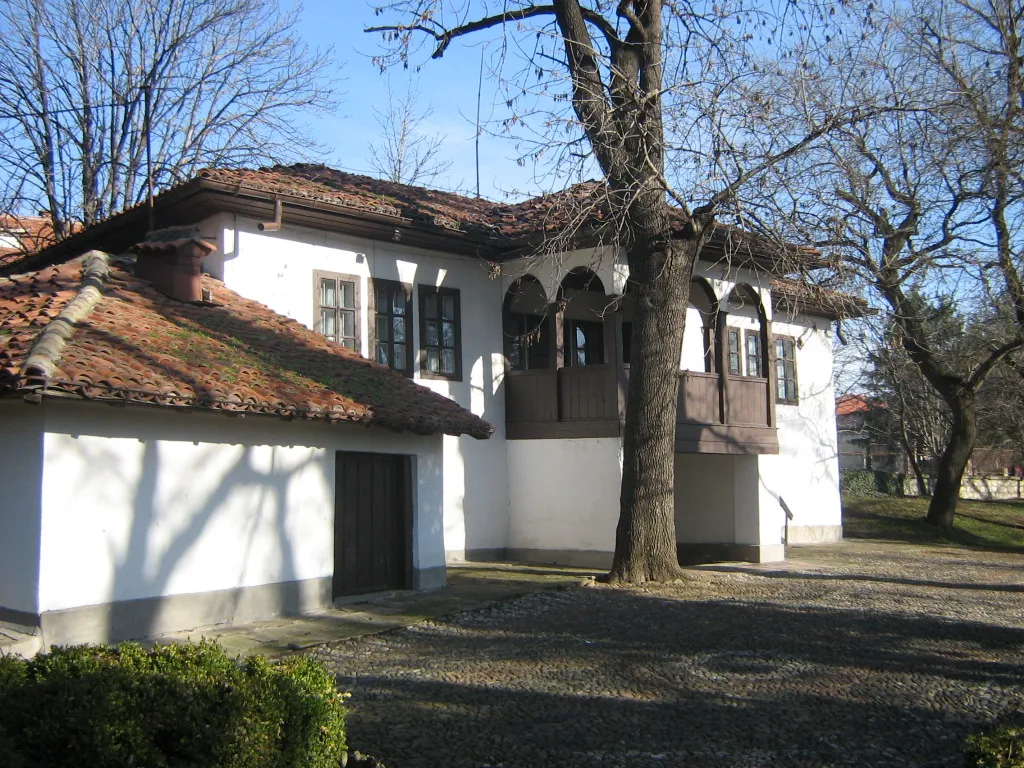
[[439, 288]]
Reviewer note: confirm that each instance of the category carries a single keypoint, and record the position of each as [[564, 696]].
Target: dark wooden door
[[372, 523]]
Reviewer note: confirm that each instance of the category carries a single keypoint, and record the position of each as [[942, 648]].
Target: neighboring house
[[21, 236], [441, 288], [862, 425], [175, 455]]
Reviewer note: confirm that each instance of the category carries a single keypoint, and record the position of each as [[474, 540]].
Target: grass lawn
[[979, 524]]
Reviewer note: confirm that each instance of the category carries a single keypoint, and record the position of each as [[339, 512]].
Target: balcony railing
[[716, 414]]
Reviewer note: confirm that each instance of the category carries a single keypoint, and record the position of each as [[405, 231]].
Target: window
[[785, 370], [336, 299], [734, 352], [708, 332], [440, 334], [527, 341], [583, 341], [753, 339], [392, 340]]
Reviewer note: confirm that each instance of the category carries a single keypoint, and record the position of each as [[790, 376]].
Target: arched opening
[[584, 306], [699, 347], [525, 326], [745, 336]]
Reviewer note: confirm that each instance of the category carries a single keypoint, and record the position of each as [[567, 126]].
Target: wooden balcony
[[716, 414]]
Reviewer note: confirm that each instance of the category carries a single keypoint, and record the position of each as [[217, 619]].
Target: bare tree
[[618, 71], [404, 152], [926, 200], [223, 80]]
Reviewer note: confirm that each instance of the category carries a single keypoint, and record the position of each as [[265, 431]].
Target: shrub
[[1001, 748], [865, 482], [170, 707]]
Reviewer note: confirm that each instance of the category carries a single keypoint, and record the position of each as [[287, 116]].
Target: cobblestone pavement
[[866, 655]]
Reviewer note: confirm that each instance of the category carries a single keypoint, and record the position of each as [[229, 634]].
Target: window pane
[[383, 302], [433, 361], [348, 295], [448, 307], [350, 343], [448, 334], [448, 361], [581, 337], [780, 348], [581, 356], [348, 323], [430, 305], [734, 341], [514, 354], [398, 302], [383, 328], [327, 323], [398, 324], [399, 357], [431, 328], [328, 298], [382, 354]]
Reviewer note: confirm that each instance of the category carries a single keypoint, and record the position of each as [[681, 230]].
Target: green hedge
[[1002, 748], [863, 482], [171, 707]]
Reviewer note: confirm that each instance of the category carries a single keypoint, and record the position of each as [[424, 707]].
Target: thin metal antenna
[[479, 89], [146, 91]]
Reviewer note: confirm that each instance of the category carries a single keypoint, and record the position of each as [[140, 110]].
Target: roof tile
[[137, 345]]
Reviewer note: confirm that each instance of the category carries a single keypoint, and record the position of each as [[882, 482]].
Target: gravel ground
[[861, 655]]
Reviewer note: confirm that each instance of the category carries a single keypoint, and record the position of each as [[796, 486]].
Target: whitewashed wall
[[21, 478], [144, 503], [564, 497], [806, 470], [277, 269]]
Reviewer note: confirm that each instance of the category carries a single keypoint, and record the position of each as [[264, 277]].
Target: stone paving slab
[[470, 586]]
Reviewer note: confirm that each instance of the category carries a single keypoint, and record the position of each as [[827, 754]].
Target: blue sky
[[447, 85]]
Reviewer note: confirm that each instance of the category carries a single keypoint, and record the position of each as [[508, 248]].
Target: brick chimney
[[172, 259]]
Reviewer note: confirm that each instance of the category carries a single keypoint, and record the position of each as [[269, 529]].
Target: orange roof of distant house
[[847, 404], [21, 236], [132, 344]]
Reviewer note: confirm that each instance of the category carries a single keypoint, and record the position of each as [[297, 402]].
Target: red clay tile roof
[[136, 345], [806, 297], [365, 193]]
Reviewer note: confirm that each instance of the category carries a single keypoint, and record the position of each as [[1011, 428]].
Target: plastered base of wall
[[156, 615], [460, 556], [815, 534], [574, 558], [429, 578], [695, 554]]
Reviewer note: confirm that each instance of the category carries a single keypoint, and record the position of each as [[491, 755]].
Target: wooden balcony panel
[[588, 393], [531, 397], [698, 398], [748, 401]]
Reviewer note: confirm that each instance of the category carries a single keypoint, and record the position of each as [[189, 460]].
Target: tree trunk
[[950, 472], [645, 539]]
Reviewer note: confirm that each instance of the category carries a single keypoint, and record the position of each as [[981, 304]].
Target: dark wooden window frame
[[339, 277], [569, 342], [747, 336], [424, 292], [537, 327], [790, 342], [708, 333], [736, 370], [392, 285]]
